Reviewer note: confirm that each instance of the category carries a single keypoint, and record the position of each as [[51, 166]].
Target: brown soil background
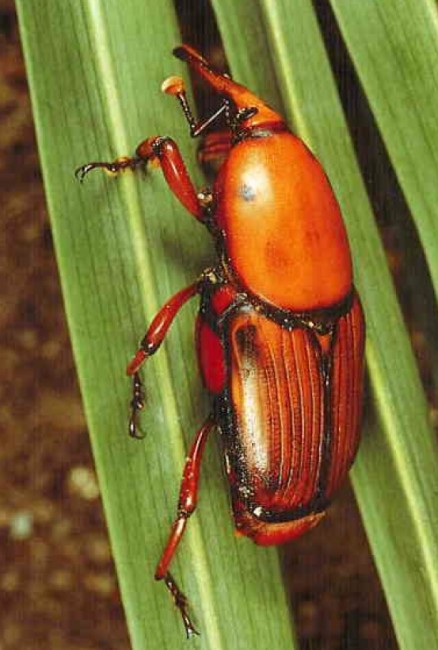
[[58, 590]]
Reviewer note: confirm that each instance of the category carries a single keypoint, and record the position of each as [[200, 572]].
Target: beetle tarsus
[[112, 167], [181, 603], [137, 403]]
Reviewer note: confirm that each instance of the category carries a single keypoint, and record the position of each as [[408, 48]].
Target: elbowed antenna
[[240, 96]]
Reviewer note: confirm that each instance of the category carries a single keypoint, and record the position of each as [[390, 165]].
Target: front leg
[[163, 151]]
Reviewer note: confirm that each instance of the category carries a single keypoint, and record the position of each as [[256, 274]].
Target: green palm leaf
[[124, 246]]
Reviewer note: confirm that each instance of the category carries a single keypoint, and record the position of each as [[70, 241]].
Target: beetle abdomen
[[289, 418]]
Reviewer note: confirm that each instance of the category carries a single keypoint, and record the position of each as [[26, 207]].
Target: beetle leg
[[136, 404], [163, 151], [159, 327], [117, 165], [149, 345], [187, 502]]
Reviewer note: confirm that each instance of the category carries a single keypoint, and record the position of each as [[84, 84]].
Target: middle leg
[[149, 345]]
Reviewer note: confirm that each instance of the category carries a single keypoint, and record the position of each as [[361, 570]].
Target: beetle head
[[251, 111]]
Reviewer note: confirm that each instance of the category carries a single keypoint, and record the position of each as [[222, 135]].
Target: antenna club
[[173, 86]]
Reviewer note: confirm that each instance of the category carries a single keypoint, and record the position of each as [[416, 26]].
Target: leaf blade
[[87, 74], [394, 47]]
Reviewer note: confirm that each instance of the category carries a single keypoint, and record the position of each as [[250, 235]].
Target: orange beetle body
[[281, 329], [280, 332]]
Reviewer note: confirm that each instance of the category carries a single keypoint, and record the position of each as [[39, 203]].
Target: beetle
[[280, 330]]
